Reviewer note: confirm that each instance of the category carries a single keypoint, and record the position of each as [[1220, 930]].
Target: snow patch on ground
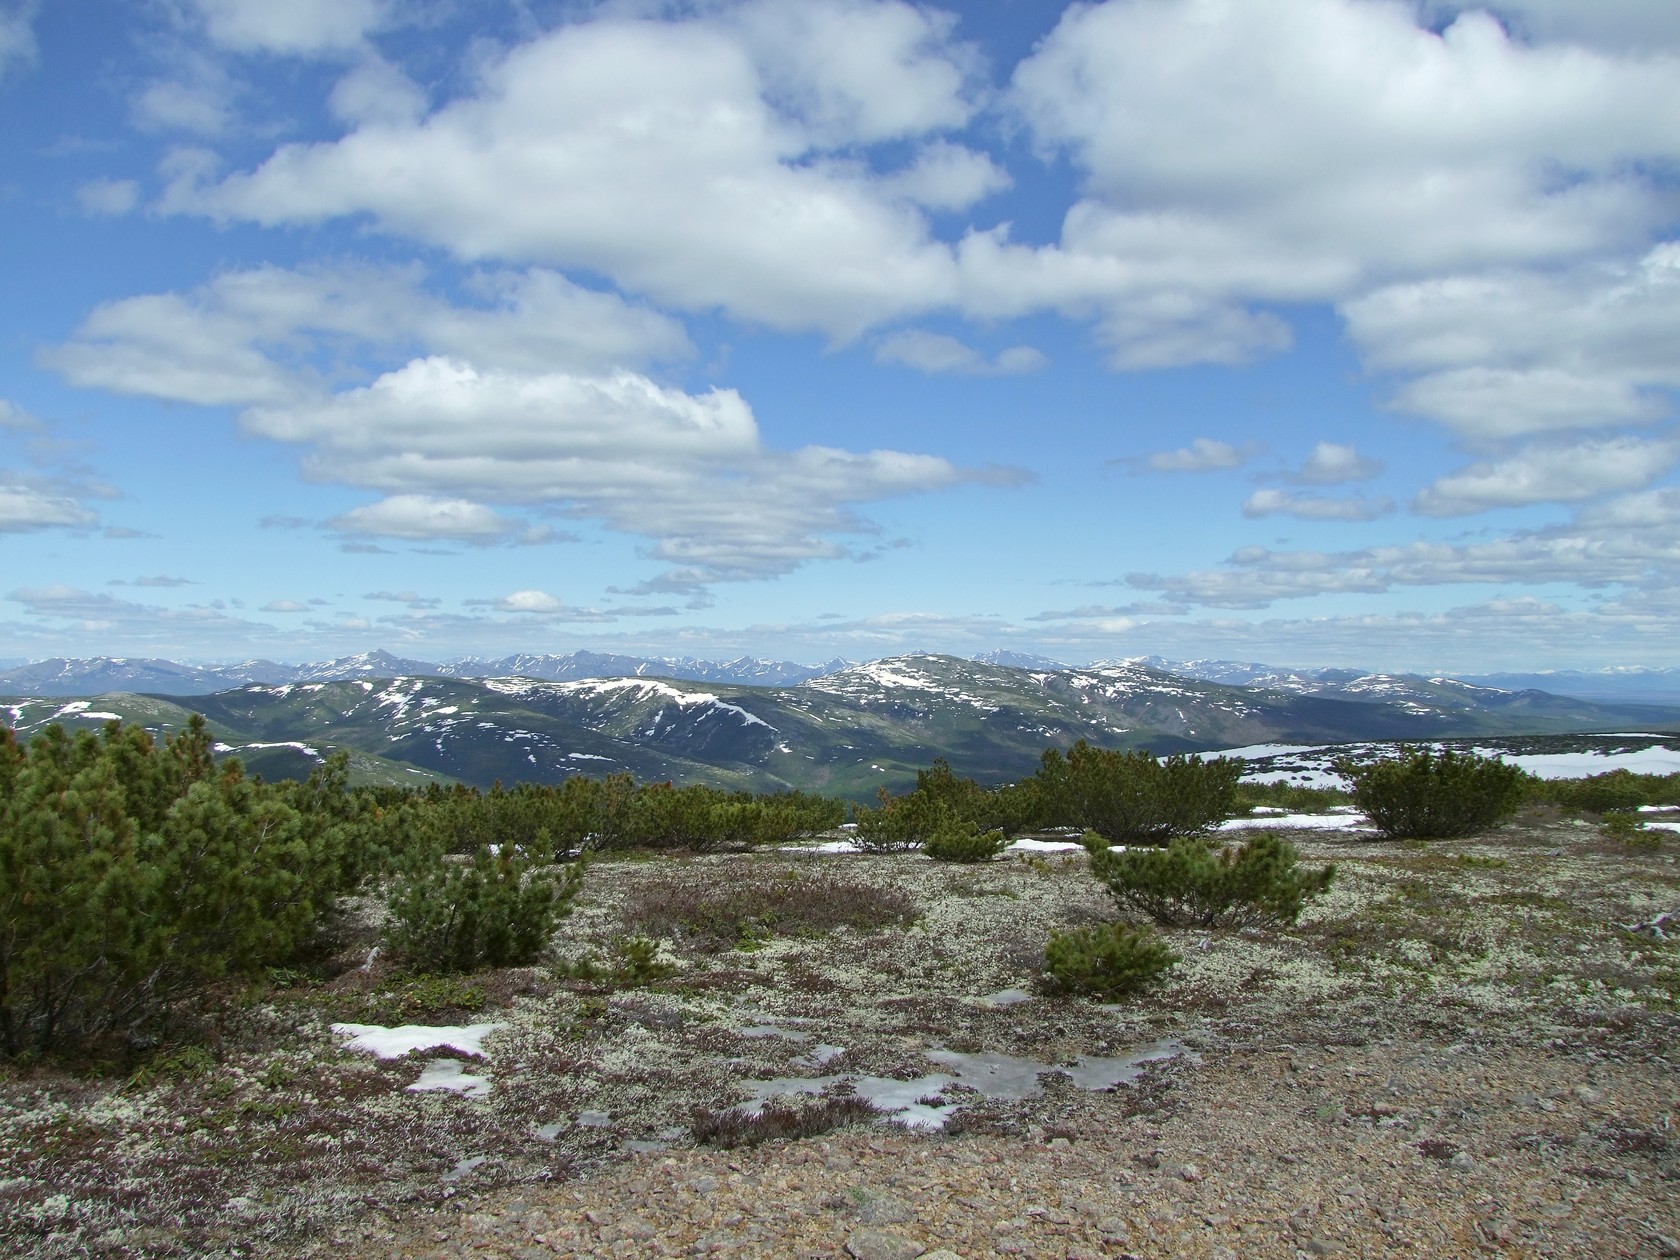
[[393, 1043]]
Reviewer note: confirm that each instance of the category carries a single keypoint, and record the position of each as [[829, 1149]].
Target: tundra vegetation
[[187, 933]]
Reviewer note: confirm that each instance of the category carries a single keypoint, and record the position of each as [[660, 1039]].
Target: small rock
[[880, 1244], [1113, 1227], [1589, 1095], [885, 1210], [1462, 1162], [1322, 1247], [1222, 1253], [1190, 1173], [942, 1254], [1667, 1246]]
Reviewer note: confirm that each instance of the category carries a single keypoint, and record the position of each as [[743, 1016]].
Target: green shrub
[[1291, 796], [959, 842], [134, 875], [1135, 798], [496, 909], [1435, 796], [1601, 793], [1109, 961], [1191, 883], [901, 823], [1627, 827]]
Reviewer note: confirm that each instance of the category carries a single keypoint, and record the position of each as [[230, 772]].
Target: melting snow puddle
[[393, 1043], [448, 1074], [920, 1103], [435, 1074], [464, 1167]]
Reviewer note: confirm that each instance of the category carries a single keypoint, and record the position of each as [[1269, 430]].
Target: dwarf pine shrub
[[495, 909], [1108, 961], [1423, 795], [1601, 793], [963, 842], [1193, 883], [1135, 798], [134, 875]]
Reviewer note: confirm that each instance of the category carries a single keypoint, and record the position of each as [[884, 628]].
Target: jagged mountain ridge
[[846, 732]]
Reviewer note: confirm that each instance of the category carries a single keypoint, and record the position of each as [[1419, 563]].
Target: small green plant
[[1423, 795], [961, 842], [1191, 883], [1109, 961], [638, 962]]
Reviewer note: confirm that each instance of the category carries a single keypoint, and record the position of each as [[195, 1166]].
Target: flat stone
[[881, 1244]]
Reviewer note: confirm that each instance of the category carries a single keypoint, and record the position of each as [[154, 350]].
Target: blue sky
[[1305, 331]]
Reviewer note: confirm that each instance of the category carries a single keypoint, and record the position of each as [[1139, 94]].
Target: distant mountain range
[[95, 675], [843, 731]]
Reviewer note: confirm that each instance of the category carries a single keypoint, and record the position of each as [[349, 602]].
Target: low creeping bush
[[955, 842], [1421, 795], [1191, 883], [1110, 961]]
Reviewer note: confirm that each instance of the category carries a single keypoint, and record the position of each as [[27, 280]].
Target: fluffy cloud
[[936, 352], [1550, 474], [258, 336], [1636, 26], [1632, 541], [1332, 464], [297, 27], [576, 146], [28, 504], [441, 436], [17, 35], [1312, 507], [109, 196], [1202, 455], [1508, 353], [420, 517]]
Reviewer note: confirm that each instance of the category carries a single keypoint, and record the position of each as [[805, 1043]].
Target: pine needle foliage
[[1424, 795], [1135, 798], [963, 842], [497, 907], [1112, 960], [1194, 883], [133, 875]]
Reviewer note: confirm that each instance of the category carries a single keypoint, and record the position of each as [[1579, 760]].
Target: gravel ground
[[1462, 1048]]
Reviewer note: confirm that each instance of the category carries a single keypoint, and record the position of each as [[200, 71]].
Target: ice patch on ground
[[1301, 822], [1026, 844]]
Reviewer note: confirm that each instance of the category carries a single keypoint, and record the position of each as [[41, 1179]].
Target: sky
[[1302, 331]]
